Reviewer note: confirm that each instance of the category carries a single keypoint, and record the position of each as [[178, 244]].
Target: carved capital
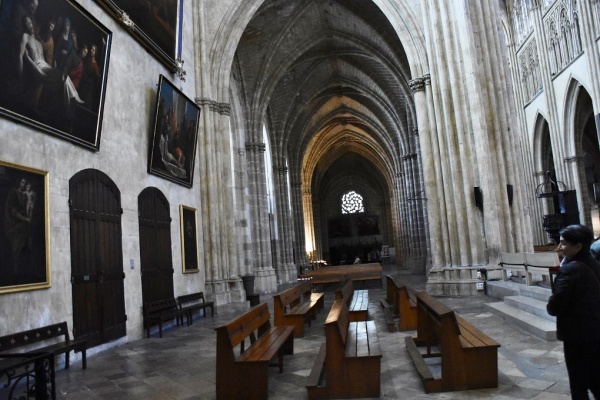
[[255, 146], [416, 85], [573, 159], [225, 109]]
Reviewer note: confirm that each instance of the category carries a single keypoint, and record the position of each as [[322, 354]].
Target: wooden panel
[[96, 258], [155, 245]]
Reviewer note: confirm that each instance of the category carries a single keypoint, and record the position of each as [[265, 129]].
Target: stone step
[[531, 323], [530, 305], [537, 292]]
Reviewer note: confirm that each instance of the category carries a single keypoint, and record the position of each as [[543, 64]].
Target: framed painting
[[24, 230], [368, 226], [173, 146], [189, 239], [54, 68], [156, 24]]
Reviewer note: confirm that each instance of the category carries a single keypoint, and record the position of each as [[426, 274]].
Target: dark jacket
[[576, 299]]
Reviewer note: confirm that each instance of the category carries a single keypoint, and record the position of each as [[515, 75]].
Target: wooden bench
[[57, 335], [406, 303], [195, 302], [357, 300], [469, 358], [245, 375], [359, 272], [160, 311], [348, 364], [296, 305]]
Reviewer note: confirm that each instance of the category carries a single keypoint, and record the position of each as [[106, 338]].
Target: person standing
[[575, 302]]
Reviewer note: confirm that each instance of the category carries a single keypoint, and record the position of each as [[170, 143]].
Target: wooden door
[[155, 245], [96, 258]]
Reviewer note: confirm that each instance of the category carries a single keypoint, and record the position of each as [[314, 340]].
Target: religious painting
[[173, 147], [54, 68], [24, 230], [189, 239], [154, 23], [368, 226], [340, 227]]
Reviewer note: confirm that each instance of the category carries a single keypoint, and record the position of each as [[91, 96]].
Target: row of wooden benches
[[467, 357], [158, 312], [347, 365]]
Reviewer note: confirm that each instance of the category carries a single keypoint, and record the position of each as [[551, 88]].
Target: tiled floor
[[181, 365]]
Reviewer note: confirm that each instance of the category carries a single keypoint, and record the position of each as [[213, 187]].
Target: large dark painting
[[154, 23], [189, 239], [173, 147], [368, 226], [340, 227], [24, 259], [54, 67]]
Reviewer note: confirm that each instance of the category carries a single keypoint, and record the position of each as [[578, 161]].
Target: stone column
[[218, 249], [298, 210], [471, 144], [259, 219], [287, 271], [587, 29]]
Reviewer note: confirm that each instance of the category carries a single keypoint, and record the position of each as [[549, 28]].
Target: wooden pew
[[245, 374], [195, 302], [357, 300], [469, 358], [349, 362], [296, 305], [403, 302], [46, 339], [160, 311]]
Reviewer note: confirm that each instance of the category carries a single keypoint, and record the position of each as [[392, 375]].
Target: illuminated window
[[352, 203]]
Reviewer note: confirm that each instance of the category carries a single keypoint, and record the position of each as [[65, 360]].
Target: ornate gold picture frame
[[189, 239], [24, 228]]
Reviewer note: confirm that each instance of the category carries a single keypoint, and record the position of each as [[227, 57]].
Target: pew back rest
[[337, 322], [32, 337], [191, 298], [290, 297], [158, 306], [435, 321], [546, 260], [256, 319], [508, 259], [345, 291]]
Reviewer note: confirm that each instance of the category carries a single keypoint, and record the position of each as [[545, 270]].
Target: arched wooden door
[[96, 258], [155, 245]]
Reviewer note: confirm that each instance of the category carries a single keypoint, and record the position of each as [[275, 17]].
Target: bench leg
[[67, 359], [83, 359]]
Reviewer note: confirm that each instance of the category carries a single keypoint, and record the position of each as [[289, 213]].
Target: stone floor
[[181, 365]]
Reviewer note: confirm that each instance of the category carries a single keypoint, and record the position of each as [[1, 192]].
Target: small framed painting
[[175, 135], [189, 239], [156, 24], [54, 68], [24, 229]]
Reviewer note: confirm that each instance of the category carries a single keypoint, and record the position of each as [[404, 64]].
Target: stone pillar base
[[288, 274], [266, 281], [459, 281], [226, 291]]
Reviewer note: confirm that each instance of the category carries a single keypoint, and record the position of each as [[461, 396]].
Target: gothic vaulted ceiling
[[329, 78]]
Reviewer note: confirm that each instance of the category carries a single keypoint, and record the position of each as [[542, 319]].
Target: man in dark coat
[[576, 304]]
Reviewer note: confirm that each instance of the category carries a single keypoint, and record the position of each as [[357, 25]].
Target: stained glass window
[[352, 203]]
